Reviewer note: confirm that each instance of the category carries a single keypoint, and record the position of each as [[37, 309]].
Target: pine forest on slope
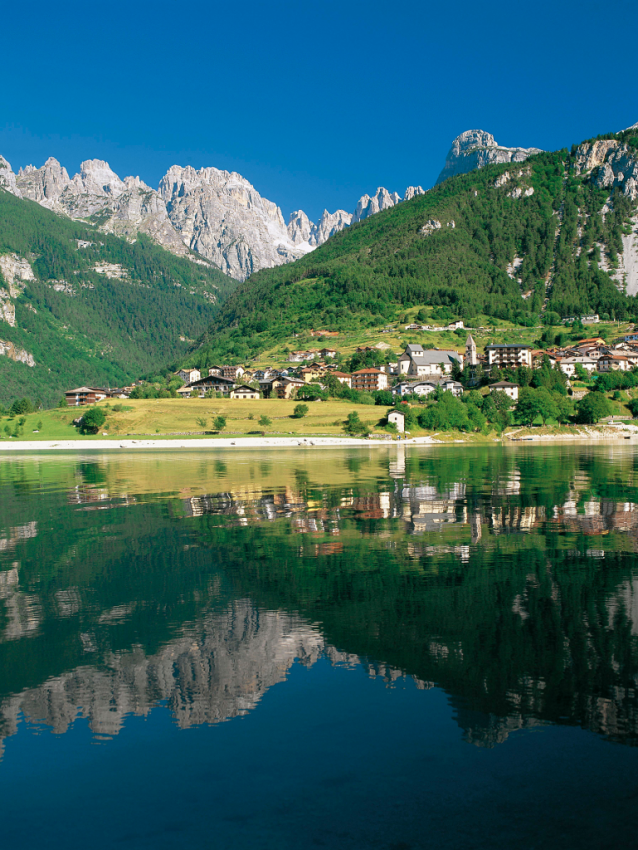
[[512, 241], [92, 308]]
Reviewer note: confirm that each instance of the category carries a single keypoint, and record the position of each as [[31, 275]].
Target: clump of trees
[[92, 421]]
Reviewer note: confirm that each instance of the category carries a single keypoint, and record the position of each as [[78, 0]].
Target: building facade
[[369, 380], [509, 356]]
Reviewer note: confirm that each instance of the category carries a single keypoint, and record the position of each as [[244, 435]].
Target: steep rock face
[[15, 272], [617, 165], [44, 185], [124, 207], [412, 192], [328, 225], [476, 149], [14, 352], [221, 215], [299, 227], [381, 200], [8, 178]]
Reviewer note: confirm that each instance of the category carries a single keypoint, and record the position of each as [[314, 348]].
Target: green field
[[165, 417]]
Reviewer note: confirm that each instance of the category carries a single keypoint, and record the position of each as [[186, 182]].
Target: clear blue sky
[[314, 103]]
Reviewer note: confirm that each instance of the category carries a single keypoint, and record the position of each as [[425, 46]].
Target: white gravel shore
[[201, 443]]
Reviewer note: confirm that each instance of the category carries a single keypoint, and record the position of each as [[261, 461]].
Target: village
[[417, 373]]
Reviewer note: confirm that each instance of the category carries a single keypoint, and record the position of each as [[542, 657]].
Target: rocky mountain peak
[[97, 178], [44, 185], [328, 225], [299, 227], [412, 192], [8, 178], [381, 200], [476, 149]]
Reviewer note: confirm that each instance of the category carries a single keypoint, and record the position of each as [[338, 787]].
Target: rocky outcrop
[[14, 352], [16, 271], [616, 164], [328, 225], [299, 228], [476, 149], [8, 178], [412, 192], [381, 200]]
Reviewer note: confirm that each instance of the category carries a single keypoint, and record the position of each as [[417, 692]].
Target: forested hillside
[[514, 241], [89, 307]]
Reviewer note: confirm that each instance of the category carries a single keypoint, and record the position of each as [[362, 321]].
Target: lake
[[390, 648]]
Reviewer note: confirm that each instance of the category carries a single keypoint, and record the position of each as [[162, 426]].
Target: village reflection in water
[[507, 578]]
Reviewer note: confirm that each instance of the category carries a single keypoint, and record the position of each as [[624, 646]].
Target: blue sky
[[314, 103]]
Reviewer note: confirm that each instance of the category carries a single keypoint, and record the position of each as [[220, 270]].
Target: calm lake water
[[383, 648]]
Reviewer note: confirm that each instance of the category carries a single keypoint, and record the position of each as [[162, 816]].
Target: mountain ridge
[[556, 232]]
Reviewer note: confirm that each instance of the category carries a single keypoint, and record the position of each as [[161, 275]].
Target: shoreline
[[206, 443], [607, 433]]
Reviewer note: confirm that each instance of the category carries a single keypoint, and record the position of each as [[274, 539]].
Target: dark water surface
[[384, 648]]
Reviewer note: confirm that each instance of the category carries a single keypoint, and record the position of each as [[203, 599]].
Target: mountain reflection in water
[[507, 577]]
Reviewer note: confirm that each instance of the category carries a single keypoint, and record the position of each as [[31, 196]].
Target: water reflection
[[507, 577]]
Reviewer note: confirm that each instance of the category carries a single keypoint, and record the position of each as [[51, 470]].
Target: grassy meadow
[[168, 417]]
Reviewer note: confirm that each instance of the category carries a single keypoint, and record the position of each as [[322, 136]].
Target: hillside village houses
[[417, 371]]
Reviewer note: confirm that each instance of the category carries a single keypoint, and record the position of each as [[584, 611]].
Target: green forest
[[100, 331], [368, 274]]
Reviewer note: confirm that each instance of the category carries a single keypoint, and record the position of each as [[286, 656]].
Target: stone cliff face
[[616, 163], [610, 165], [221, 216], [216, 214], [476, 149], [8, 178]]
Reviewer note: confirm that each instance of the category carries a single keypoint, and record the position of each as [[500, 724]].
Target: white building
[[418, 362], [424, 388], [398, 418], [511, 355], [506, 387], [189, 375], [568, 365]]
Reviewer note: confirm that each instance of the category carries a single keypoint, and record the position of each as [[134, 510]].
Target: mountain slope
[[79, 306], [510, 241]]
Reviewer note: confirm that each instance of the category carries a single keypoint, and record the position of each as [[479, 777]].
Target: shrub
[[354, 425], [219, 423], [264, 421], [592, 408], [92, 421], [300, 411]]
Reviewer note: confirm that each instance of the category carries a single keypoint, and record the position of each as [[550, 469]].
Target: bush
[[63, 402], [354, 425], [592, 408], [300, 411], [92, 421], [219, 423], [264, 421]]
